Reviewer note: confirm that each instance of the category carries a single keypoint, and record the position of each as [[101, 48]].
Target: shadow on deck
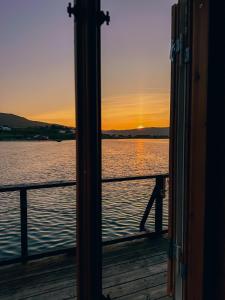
[[134, 270]]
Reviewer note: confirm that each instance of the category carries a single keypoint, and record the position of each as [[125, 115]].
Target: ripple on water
[[52, 212]]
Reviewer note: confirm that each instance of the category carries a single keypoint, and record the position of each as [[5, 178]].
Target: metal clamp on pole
[[71, 10], [104, 17]]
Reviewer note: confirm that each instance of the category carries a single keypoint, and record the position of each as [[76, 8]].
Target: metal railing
[[156, 197]]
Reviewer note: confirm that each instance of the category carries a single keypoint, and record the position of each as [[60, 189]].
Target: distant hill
[[14, 121], [17, 122], [151, 131]]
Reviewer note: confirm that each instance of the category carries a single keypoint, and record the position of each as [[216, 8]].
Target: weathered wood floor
[[132, 271]]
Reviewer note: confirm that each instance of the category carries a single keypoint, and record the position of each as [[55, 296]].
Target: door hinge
[[171, 250], [183, 271], [187, 55], [182, 266], [175, 253], [178, 48], [175, 49]]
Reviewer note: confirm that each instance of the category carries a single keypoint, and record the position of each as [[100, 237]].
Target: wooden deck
[[132, 271]]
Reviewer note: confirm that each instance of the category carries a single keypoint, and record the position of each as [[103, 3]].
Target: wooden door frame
[[197, 132], [172, 143], [180, 96], [191, 259], [205, 242]]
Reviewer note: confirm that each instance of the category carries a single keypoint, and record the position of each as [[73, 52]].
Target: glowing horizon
[[132, 118]]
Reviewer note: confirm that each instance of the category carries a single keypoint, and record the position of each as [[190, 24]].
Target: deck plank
[[131, 269], [112, 255], [154, 293]]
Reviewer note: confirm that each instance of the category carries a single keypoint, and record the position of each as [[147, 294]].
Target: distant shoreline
[[113, 138]]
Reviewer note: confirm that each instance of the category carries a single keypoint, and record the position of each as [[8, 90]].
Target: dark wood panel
[[215, 175], [197, 152]]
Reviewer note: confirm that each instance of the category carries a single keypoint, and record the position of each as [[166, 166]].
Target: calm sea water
[[51, 212]]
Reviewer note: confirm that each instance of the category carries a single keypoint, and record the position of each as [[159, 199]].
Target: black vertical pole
[[88, 149], [160, 184], [23, 224]]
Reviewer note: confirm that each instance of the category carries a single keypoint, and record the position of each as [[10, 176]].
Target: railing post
[[23, 224], [148, 208], [160, 184]]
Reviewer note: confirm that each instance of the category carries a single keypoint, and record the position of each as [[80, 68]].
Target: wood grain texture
[[197, 152], [131, 270]]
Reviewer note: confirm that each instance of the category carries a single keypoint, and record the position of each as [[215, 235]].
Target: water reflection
[[51, 212]]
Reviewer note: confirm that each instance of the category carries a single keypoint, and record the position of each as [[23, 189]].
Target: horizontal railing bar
[[134, 178], [36, 186], [57, 184], [23, 188], [133, 237]]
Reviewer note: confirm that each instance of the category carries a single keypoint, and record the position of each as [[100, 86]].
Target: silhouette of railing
[[156, 197]]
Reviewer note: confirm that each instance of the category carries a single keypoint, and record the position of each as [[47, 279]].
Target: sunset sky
[[36, 62]]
